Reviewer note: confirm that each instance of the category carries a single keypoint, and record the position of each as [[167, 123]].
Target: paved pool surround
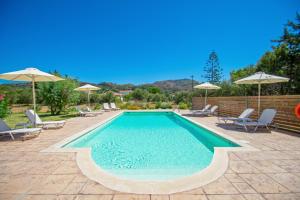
[[271, 173]]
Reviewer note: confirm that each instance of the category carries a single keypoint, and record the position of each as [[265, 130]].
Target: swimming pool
[[151, 146]]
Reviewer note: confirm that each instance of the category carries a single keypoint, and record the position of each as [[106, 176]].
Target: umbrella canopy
[[207, 86], [87, 88], [261, 78], [30, 74]]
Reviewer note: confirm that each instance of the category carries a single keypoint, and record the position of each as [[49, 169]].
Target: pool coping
[[89, 168]]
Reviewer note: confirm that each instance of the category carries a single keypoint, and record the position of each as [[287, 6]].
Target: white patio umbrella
[[261, 78], [207, 86], [87, 88], [33, 75]]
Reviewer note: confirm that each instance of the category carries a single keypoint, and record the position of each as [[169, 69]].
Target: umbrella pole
[[89, 98], [205, 98], [258, 104], [33, 96]]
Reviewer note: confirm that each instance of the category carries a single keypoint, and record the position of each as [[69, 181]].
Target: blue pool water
[[151, 146]]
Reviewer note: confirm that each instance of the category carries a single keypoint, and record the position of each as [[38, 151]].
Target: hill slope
[[166, 85], [175, 85]]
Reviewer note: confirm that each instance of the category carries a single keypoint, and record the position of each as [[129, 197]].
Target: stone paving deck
[[272, 173]]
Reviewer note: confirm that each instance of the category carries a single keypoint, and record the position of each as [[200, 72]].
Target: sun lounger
[[5, 130], [106, 107], [243, 117], [211, 111], [88, 113], [114, 107], [85, 113], [265, 119], [47, 124], [202, 110], [98, 112]]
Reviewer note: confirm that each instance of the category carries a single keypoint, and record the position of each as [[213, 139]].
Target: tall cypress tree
[[212, 69]]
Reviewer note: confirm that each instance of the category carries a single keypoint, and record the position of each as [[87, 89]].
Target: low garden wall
[[233, 106]]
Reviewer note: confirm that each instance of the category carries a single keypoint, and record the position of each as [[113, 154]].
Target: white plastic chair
[[265, 119], [211, 111], [106, 107], [114, 107], [5, 130], [244, 116], [47, 124], [202, 110]]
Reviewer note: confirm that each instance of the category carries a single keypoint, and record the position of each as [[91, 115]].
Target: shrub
[[133, 107], [151, 106], [118, 101], [182, 105], [97, 106], [123, 106], [143, 105], [4, 110], [94, 98], [138, 95], [157, 105], [70, 110], [182, 97], [58, 95], [107, 97], [165, 105]]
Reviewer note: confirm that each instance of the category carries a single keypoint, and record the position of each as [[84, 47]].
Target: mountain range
[[165, 85]]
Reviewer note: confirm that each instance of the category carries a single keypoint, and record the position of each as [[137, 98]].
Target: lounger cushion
[[22, 130], [234, 119], [228, 118], [52, 122], [250, 123]]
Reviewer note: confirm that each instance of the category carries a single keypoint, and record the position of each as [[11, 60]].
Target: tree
[[288, 51], [58, 95], [139, 94], [108, 97], [157, 97], [153, 89], [239, 89], [185, 97], [24, 96], [17, 93], [282, 60], [212, 69]]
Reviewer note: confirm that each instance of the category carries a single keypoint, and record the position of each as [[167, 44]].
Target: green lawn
[[15, 118]]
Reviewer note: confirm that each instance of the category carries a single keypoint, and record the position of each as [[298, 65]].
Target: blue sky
[[126, 41]]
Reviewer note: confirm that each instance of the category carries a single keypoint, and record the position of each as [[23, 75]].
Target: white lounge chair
[[265, 119], [114, 107], [210, 111], [244, 116], [48, 124], [202, 110], [87, 113], [84, 113], [98, 112], [106, 107], [5, 130]]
